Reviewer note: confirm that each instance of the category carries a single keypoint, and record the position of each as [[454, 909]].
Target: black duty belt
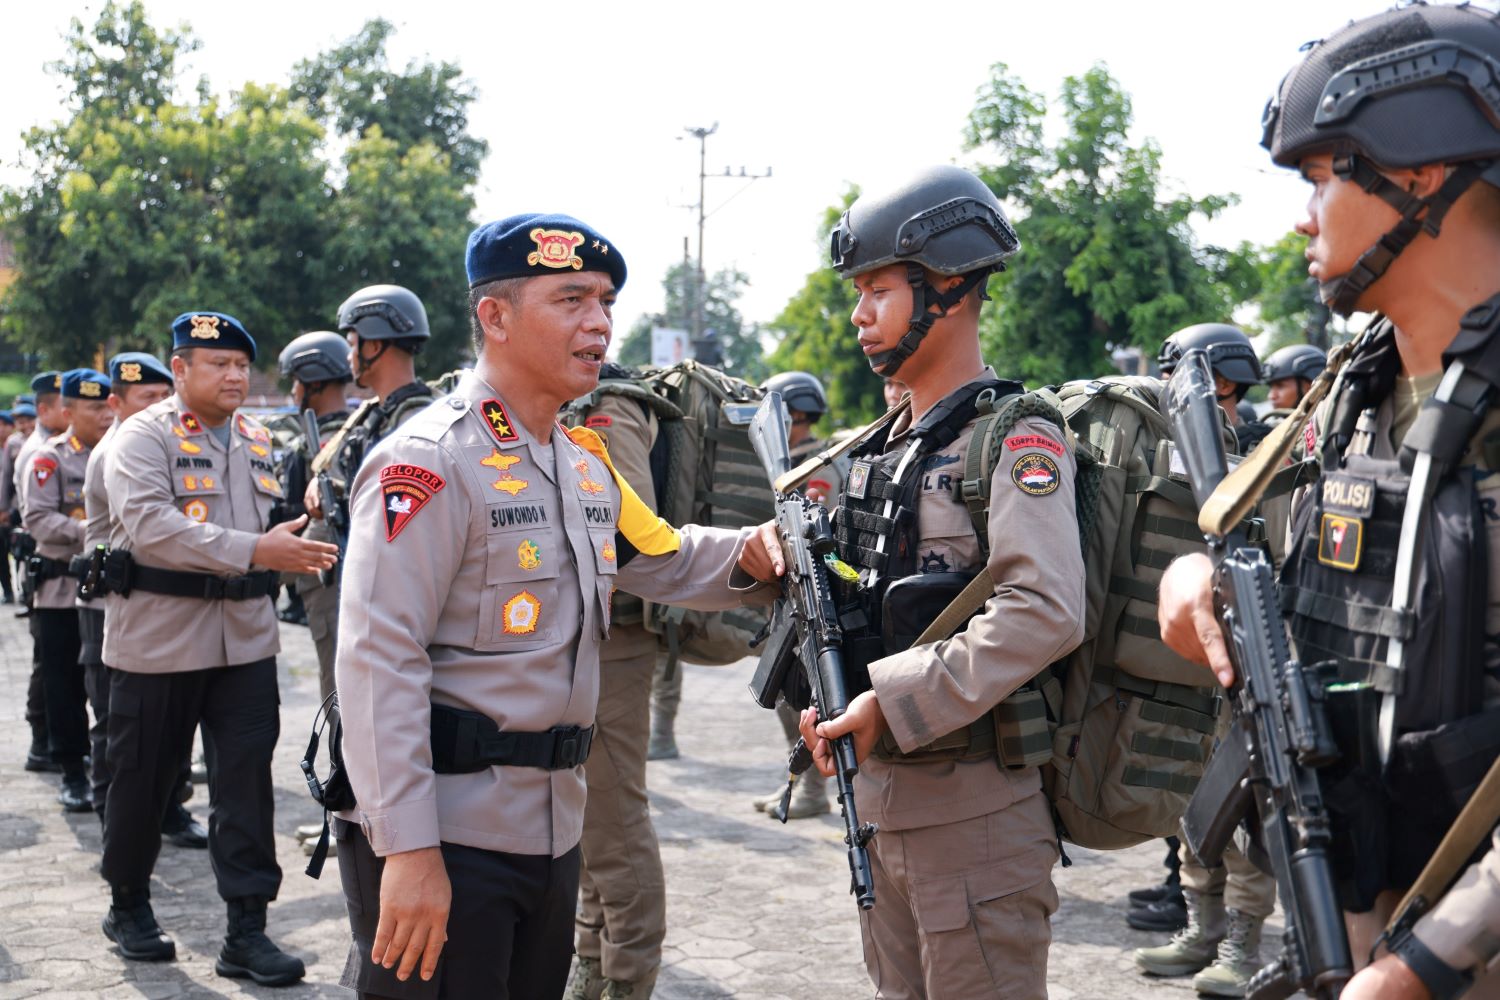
[[122, 574], [41, 568], [464, 742]]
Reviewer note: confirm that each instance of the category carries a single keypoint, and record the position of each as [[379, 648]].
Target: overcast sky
[[584, 103]]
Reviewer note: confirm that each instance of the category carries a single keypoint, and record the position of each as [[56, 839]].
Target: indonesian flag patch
[[405, 490]]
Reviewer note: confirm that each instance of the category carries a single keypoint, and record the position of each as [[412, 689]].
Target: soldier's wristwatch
[[1442, 980]]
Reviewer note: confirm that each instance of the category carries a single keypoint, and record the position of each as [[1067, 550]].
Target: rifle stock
[[1280, 735], [807, 606]]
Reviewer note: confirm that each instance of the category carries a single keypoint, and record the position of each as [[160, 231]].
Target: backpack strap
[[988, 440]]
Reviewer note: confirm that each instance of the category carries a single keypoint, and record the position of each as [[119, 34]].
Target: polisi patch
[[1340, 541], [43, 468], [1023, 441], [406, 490], [498, 421], [521, 614], [1035, 474], [1348, 495]]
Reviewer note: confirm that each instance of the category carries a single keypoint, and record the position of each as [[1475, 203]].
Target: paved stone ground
[[757, 910]]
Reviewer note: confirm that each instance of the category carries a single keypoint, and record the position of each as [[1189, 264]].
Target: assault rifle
[[809, 632], [1280, 735], [334, 514]]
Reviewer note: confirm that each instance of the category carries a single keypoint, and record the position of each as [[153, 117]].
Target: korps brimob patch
[[405, 489], [1023, 441]]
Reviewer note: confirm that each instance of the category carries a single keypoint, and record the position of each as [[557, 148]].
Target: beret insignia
[[205, 328], [555, 248], [130, 371]]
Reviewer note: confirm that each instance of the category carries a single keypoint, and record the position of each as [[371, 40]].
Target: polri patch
[[1340, 541], [1035, 474], [1023, 441], [859, 479], [406, 489], [498, 421], [521, 614], [43, 468]]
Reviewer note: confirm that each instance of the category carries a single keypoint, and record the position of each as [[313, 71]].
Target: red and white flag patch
[[405, 489]]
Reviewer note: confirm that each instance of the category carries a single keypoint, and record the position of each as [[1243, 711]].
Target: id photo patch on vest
[[859, 479], [1340, 541], [1035, 474]]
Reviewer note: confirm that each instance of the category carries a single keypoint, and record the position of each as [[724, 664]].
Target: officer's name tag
[[859, 479], [1348, 495]]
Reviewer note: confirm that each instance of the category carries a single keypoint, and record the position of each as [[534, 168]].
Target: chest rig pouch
[[877, 531], [1421, 659]]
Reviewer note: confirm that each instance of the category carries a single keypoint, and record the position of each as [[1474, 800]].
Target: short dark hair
[[508, 289]]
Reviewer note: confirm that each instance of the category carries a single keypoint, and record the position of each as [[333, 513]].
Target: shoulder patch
[[1023, 441], [43, 468], [1035, 474], [406, 490], [1310, 435], [598, 420], [498, 421]]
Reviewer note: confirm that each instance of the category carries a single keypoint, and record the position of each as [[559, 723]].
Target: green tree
[[142, 204], [1290, 309], [817, 336], [1107, 258], [739, 341]]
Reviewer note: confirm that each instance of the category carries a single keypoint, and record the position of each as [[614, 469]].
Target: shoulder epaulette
[[433, 422]]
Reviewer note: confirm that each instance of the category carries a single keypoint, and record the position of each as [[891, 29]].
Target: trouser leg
[[1246, 887], [151, 723], [5, 585], [96, 682], [545, 934], [623, 917], [36, 693], [889, 930], [62, 678], [322, 605], [241, 723], [666, 691], [1200, 878]]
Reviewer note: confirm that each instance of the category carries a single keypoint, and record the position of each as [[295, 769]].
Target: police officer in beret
[[485, 543], [191, 637], [1392, 121], [136, 381], [53, 493], [7, 431]]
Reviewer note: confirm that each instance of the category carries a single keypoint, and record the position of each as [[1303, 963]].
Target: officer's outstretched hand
[[313, 501], [283, 549], [1185, 612], [864, 720], [761, 557], [415, 896]]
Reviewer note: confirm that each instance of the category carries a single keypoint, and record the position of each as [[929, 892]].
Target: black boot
[[181, 829], [132, 926], [76, 795], [248, 952], [38, 757]]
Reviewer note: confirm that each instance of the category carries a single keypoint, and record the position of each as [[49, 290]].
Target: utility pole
[[700, 283]]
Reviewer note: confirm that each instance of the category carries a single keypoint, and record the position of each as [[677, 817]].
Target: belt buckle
[[569, 744], [235, 588]]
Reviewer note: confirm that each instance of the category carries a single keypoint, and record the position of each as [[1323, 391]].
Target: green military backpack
[[704, 472], [1131, 722]]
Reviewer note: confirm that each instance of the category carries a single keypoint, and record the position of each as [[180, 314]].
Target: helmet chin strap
[[1342, 293], [927, 306]]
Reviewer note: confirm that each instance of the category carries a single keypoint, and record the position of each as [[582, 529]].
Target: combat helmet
[[1401, 89], [800, 391], [386, 312], [1302, 361], [1229, 351], [945, 220], [316, 357]]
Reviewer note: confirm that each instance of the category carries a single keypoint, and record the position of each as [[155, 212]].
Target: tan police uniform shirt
[[180, 500], [1464, 928], [7, 471], [478, 576], [54, 512], [21, 469], [1035, 618]]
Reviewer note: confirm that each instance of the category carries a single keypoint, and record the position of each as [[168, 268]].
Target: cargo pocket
[[975, 927], [123, 742], [518, 609]]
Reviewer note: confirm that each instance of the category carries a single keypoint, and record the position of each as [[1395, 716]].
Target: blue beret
[[25, 397], [5, 417], [211, 329], [138, 368], [23, 410], [530, 245], [46, 382], [85, 383]]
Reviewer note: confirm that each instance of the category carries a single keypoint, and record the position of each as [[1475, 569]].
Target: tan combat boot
[[1192, 948], [1239, 958], [616, 989], [587, 982]]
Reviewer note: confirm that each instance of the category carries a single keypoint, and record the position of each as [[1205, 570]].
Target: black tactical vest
[[1337, 585]]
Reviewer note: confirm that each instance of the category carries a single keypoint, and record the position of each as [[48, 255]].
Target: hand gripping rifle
[[812, 628], [1280, 734], [334, 514]]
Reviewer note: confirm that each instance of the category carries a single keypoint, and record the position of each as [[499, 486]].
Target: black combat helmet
[[1302, 361], [945, 220], [1401, 89], [1230, 353], [316, 357], [800, 391], [386, 312]]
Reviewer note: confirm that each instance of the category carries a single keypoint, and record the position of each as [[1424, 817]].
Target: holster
[[22, 544], [464, 742]]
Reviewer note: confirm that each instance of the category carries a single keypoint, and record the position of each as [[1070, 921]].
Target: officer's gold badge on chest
[[1347, 502]]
